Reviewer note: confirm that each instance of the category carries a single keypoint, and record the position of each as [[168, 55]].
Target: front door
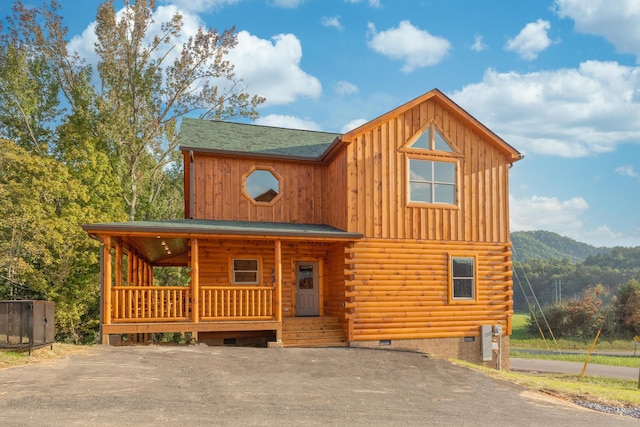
[[307, 288]]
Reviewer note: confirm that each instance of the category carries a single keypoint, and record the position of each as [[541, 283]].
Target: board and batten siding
[[399, 290], [378, 179], [335, 193], [218, 190]]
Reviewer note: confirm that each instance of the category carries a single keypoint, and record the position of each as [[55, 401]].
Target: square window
[[245, 272], [463, 278], [432, 182]]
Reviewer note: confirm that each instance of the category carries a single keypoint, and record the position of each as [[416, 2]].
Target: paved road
[[555, 366], [233, 386]]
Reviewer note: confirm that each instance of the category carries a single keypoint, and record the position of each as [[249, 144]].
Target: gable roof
[[250, 139], [512, 154], [241, 139]]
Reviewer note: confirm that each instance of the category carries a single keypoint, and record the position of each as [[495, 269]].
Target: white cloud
[[291, 122], [352, 125], [84, 43], [565, 112], [547, 213], [200, 5], [271, 68], [287, 4], [604, 236], [617, 22], [564, 217], [532, 40], [345, 88], [416, 47], [332, 22], [372, 3], [626, 171], [478, 45]]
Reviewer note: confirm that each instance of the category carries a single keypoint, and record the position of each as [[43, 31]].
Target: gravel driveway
[[234, 386]]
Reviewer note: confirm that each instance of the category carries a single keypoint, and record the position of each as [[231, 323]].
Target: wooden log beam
[[195, 282], [277, 301]]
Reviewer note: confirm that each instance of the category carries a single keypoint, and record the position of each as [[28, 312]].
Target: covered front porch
[[236, 276]]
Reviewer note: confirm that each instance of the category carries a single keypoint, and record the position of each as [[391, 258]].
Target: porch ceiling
[[160, 251], [167, 242]]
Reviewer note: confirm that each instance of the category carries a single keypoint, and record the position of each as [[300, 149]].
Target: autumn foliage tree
[[629, 307]]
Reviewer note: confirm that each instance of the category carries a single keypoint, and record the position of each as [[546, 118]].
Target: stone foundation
[[468, 349]]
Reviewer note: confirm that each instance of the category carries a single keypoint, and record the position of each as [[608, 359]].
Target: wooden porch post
[[195, 283], [277, 305], [118, 263], [106, 285]]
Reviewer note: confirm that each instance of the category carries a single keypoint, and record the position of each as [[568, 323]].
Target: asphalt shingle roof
[[220, 227], [211, 135]]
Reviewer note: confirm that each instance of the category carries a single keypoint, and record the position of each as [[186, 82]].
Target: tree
[[97, 144], [629, 307], [29, 90], [148, 81], [41, 242]]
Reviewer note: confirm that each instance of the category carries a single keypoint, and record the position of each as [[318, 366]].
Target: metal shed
[[26, 324]]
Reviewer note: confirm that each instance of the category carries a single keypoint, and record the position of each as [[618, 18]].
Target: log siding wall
[[399, 289], [215, 267]]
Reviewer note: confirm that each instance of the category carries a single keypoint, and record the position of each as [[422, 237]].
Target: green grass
[[607, 391], [631, 362]]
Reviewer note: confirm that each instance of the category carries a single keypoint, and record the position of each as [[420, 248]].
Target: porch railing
[[150, 303], [173, 303], [236, 302]]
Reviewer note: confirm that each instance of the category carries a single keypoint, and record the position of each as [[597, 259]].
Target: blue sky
[[557, 79]]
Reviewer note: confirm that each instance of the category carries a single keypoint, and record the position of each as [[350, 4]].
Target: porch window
[[462, 273], [245, 271]]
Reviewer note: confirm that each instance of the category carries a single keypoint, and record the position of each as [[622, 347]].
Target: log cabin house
[[394, 234]]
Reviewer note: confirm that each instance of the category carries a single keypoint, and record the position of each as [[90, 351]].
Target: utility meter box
[[486, 332]]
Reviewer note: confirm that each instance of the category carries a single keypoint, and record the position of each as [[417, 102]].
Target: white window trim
[[432, 182], [233, 271], [463, 300]]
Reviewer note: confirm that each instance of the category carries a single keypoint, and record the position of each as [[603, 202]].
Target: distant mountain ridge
[[542, 244]]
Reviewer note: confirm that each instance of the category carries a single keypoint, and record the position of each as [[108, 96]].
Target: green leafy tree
[[29, 89], [107, 152], [41, 242], [148, 81], [52, 178]]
